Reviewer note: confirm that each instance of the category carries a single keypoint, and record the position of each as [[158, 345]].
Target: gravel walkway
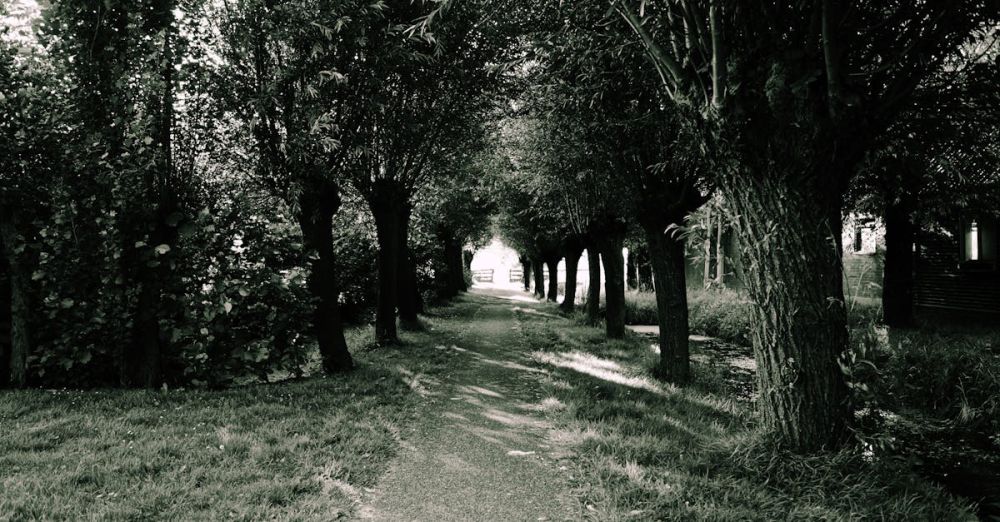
[[480, 451]]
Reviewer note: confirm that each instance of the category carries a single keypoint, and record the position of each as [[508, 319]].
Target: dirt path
[[480, 451]]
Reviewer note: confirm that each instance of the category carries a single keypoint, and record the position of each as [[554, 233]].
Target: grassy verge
[[301, 450], [647, 451]]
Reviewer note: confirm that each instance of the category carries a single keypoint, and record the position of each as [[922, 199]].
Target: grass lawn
[[647, 451], [288, 451]]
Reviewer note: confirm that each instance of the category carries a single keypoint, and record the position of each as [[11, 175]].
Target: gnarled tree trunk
[[593, 305], [668, 261], [316, 210], [794, 275], [897, 284]]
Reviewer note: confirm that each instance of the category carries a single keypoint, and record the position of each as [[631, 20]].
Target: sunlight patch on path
[[482, 448]]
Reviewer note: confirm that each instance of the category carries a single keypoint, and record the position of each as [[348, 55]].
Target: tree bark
[[453, 274], [667, 254], [632, 270], [897, 284], [593, 305], [316, 210], [707, 277], [526, 273], [644, 269], [614, 285], [409, 299], [386, 204], [538, 274], [573, 254], [142, 362], [720, 255], [15, 373], [794, 276], [5, 319], [552, 264]]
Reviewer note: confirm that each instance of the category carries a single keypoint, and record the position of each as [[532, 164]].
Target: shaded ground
[[480, 449], [298, 450], [502, 410]]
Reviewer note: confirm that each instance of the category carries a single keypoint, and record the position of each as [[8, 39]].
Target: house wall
[[863, 275], [941, 284]]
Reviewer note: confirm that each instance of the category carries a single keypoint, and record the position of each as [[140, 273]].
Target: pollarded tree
[[790, 97], [286, 60], [569, 171], [426, 72], [652, 159], [454, 210]]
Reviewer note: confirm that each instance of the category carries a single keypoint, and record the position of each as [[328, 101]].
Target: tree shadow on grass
[[647, 450]]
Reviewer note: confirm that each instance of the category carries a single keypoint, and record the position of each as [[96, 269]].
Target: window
[[979, 242]]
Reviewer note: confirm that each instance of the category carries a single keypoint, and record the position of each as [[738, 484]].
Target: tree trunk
[[386, 206], [453, 273], [593, 286], [5, 319], [720, 255], [667, 254], [526, 273], [142, 360], [794, 276], [458, 264], [707, 277], [553, 266], [632, 270], [15, 373], [538, 274], [409, 299], [572, 263], [316, 210], [141, 364], [614, 286], [897, 284], [645, 271]]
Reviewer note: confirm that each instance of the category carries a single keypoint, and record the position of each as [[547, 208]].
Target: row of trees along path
[[126, 120]]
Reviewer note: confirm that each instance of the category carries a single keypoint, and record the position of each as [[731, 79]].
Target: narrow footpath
[[480, 451]]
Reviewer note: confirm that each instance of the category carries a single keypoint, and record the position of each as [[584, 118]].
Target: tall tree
[[288, 59], [852, 69]]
